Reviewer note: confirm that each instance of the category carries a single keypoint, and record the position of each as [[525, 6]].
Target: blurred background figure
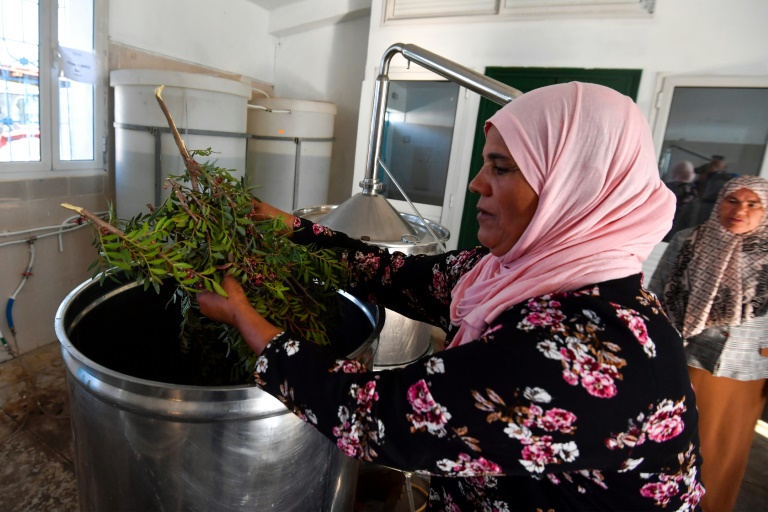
[[711, 176], [716, 164], [706, 186], [713, 284], [681, 182]]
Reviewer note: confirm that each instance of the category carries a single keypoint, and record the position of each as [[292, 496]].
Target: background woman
[[564, 387], [713, 283]]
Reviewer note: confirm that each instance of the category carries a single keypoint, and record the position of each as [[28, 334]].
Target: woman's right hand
[[235, 309], [264, 210]]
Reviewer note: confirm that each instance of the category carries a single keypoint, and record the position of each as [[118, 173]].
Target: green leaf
[[217, 287], [291, 285]]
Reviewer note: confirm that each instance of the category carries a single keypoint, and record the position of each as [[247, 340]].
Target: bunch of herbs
[[208, 227]]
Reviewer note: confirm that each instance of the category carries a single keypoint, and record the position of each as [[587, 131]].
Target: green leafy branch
[[206, 228]]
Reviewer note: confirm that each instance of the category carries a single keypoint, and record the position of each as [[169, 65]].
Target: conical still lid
[[369, 217]]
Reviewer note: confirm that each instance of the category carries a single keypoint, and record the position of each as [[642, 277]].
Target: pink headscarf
[[587, 152]]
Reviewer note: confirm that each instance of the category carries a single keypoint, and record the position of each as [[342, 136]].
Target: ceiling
[[271, 5]]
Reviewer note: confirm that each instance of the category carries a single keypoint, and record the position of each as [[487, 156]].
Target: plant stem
[[192, 166], [95, 218]]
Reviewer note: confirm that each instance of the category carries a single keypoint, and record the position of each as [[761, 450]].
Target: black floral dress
[[569, 401]]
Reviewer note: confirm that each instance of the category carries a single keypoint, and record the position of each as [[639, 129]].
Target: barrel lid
[[180, 79], [318, 107]]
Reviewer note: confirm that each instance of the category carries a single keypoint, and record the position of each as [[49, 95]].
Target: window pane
[[719, 132], [19, 81], [417, 139], [727, 121], [75, 120], [76, 109]]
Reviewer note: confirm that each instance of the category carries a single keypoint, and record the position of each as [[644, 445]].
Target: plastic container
[[289, 152], [215, 106]]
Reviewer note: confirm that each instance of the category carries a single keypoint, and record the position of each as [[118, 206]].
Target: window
[[698, 116], [715, 125], [52, 86], [426, 117], [418, 132]]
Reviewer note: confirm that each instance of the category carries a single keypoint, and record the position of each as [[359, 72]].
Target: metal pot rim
[[179, 401]]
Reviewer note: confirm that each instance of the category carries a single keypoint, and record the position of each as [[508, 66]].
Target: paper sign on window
[[78, 65]]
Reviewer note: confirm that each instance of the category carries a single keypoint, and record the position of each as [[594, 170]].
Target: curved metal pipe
[[477, 82]]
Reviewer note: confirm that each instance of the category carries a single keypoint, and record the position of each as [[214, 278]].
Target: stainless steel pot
[[402, 340], [145, 442]]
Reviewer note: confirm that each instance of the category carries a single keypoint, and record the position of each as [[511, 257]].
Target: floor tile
[[35, 478]]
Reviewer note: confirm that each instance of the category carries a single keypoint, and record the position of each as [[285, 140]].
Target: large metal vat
[[143, 441], [402, 340]]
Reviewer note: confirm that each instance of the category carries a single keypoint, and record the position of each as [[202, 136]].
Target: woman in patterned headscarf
[[713, 283]]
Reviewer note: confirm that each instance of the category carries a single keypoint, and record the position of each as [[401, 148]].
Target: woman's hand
[[236, 310], [264, 210]]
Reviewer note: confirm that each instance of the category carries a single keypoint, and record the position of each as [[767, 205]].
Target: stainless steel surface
[[369, 217], [426, 244], [477, 82], [144, 443], [356, 214], [412, 239], [402, 340]]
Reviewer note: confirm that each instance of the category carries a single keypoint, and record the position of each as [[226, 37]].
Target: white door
[[696, 117], [702, 119]]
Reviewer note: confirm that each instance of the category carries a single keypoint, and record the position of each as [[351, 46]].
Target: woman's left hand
[[236, 310]]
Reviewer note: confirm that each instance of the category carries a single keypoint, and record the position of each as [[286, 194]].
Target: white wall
[[231, 35], [326, 64], [683, 37]]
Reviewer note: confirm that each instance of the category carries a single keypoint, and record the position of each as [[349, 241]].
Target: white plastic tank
[[209, 112], [289, 152]]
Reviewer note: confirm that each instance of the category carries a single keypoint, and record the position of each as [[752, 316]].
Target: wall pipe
[[25, 275], [60, 229]]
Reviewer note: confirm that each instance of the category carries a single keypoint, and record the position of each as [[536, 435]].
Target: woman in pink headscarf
[[563, 385]]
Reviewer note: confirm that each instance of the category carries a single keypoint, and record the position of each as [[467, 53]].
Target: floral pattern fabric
[[570, 401]]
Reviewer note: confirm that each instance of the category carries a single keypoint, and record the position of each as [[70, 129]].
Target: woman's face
[[507, 202], [741, 211]]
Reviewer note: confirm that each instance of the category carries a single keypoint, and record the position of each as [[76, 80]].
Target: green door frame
[[625, 81]]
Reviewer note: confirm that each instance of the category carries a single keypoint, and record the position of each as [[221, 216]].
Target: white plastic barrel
[[289, 153], [215, 106]]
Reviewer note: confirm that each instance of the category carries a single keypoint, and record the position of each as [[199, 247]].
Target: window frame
[[51, 165], [664, 92], [449, 213], [410, 12]]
